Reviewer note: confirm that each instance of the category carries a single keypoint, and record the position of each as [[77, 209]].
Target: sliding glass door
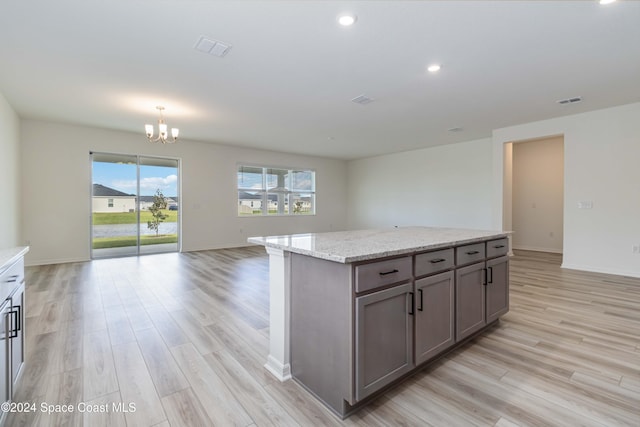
[[134, 205]]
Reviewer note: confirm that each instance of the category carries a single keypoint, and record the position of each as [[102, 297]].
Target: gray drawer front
[[433, 262], [470, 253], [496, 248], [11, 279], [381, 273]]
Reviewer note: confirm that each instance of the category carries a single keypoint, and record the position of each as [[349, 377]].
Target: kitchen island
[[353, 312]]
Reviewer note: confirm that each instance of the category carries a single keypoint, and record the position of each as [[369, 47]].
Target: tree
[[159, 203]]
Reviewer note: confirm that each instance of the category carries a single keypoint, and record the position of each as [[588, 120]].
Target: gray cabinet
[[482, 289], [384, 338], [434, 315], [497, 289], [358, 327], [470, 300]]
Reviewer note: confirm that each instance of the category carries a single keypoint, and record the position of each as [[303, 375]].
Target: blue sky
[[122, 177]]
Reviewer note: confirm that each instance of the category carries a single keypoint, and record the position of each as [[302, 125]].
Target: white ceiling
[[288, 81]]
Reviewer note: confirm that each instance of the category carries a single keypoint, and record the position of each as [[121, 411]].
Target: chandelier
[[162, 131]]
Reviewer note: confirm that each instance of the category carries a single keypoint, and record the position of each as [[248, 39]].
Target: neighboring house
[[249, 202], [147, 201], [107, 199]]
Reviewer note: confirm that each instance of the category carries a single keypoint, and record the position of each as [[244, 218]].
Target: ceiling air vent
[[570, 100], [212, 47], [455, 129], [362, 100]]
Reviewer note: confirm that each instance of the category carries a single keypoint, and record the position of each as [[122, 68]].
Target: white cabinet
[[5, 355], [12, 318], [16, 332]]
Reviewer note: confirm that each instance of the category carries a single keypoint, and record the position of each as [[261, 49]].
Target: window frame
[[266, 194]]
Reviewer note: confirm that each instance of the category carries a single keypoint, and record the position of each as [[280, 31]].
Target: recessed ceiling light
[[607, 1], [433, 68], [347, 19]]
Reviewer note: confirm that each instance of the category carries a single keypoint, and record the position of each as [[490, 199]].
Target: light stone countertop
[[10, 255], [359, 245]]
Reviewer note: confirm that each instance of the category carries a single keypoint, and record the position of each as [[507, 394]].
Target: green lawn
[[122, 241], [102, 218]]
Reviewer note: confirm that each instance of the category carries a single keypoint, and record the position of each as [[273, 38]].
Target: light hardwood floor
[[184, 338]]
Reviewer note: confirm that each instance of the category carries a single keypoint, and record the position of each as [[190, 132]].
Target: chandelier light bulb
[[162, 131]]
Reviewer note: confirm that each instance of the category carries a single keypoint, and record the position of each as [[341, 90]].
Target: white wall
[[602, 165], [9, 176], [57, 181], [538, 194], [444, 186]]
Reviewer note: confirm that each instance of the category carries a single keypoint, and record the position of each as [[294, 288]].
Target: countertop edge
[[377, 255], [11, 255]]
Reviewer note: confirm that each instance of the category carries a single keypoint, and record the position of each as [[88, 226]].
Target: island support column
[[279, 360]]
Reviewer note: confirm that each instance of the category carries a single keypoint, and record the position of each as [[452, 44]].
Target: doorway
[[135, 205], [534, 193]]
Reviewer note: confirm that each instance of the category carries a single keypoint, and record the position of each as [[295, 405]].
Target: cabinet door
[[497, 288], [470, 300], [434, 315], [17, 340], [5, 358], [384, 343]]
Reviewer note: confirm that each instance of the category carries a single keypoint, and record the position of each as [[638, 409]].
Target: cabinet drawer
[[433, 262], [496, 248], [11, 279], [376, 274], [469, 253]]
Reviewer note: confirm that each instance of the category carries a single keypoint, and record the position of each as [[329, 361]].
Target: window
[[110, 202], [273, 191]]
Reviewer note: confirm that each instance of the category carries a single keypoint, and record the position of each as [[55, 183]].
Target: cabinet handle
[[484, 271], [19, 317], [412, 305], [472, 252], [490, 274], [435, 261], [421, 302], [13, 332], [499, 246], [12, 279], [388, 272]]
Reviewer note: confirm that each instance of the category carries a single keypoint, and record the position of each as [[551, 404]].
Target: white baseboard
[[35, 262], [537, 249], [634, 274], [277, 369]]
